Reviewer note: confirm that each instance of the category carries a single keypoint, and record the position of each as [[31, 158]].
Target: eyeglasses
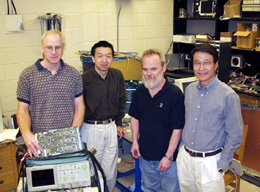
[[50, 48], [204, 64]]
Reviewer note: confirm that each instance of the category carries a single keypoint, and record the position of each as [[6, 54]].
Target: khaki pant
[[199, 174], [104, 139]]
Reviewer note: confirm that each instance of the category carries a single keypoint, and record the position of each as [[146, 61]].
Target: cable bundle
[[13, 6], [50, 21]]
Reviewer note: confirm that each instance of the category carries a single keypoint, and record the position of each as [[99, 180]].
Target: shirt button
[[207, 92], [201, 95], [196, 119], [191, 143], [193, 131], [198, 106]]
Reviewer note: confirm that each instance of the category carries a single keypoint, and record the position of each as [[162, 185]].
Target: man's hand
[[135, 150], [121, 131], [32, 145], [165, 164]]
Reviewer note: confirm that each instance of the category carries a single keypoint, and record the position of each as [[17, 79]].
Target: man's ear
[[93, 59], [164, 67], [216, 65]]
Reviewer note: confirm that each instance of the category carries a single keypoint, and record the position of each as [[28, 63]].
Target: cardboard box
[[184, 38], [131, 68], [226, 36], [245, 36], [232, 8]]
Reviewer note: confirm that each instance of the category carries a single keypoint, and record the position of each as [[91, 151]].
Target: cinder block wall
[[143, 24]]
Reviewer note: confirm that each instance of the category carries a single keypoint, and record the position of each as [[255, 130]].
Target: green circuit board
[[59, 141]]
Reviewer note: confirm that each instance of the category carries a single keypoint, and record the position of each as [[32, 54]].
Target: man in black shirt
[[105, 100], [157, 111]]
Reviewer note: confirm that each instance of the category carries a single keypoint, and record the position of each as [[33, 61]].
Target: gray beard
[[150, 85]]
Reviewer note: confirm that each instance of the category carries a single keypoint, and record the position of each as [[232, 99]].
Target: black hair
[[102, 44], [207, 48]]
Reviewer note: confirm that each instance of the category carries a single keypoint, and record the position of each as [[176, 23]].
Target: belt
[[100, 122], [202, 154]]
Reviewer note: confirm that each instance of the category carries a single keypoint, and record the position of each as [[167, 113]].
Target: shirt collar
[[40, 67], [210, 86], [95, 73], [165, 86]]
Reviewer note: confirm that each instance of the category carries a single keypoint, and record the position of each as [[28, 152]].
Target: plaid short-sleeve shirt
[[51, 97]]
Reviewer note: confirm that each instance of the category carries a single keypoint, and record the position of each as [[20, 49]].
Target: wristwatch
[[169, 157], [220, 170]]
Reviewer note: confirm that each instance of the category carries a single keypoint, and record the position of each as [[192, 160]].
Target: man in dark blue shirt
[[157, 112]]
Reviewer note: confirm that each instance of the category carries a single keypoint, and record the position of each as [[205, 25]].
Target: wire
[[118, 14], [14, 7], [180, 56], [22, 171], [3, 121], [8, 11], [137, 29], [49, 21], [125, 55], [169, 57], [235, 176], [95, 164], [42, 26], [68, 15], [169, 48]]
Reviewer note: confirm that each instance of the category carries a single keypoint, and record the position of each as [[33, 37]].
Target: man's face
[[102, 59], [204, 67], [52, 49], [152, 72]]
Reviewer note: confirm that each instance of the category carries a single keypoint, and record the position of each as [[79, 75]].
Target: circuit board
[[59, 141]]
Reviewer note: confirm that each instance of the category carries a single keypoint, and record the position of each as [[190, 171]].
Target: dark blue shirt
[[158, 117]]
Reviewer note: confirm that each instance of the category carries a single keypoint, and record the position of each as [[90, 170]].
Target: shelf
[[247, 19], [246, 93], [251, 19], [245, 49], [204, 40], [196, 18]]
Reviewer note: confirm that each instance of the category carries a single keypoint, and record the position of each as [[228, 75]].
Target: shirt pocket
[[213, 116]]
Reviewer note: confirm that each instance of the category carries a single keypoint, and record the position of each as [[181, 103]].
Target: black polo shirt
[[158, 117]]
